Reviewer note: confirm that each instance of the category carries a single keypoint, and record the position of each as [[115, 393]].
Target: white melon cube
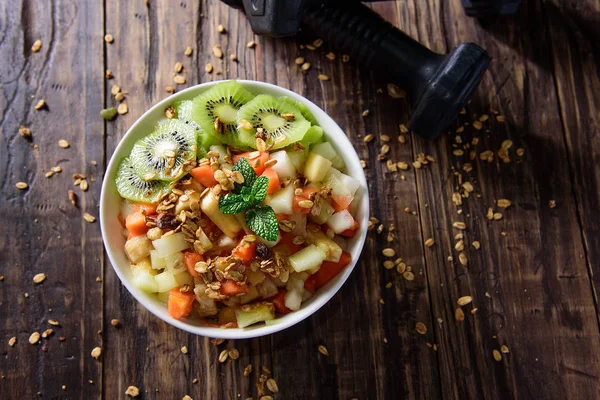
[[157, 261], [170, 244], [308, 258], [298, 158], [174, 262], [282, 201], [326, 150], [145, 281], [284, 167], [316, 167], [183, 278], [165, 281], [340, 221], [293, 300]]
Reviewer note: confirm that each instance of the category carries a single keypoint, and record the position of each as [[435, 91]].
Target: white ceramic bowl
[[114, 240]]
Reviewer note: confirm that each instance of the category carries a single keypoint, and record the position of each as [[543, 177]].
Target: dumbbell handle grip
[[365, 36]]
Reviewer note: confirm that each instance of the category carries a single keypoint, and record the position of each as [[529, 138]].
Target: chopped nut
[[408, 275], [251, 44], [421, 328], [323, 350], [220, 28], [299, 60], [84, 185], [122, 109], [208, 68], [108, 113], [459, 225], [25, 132], [179, 79], [395, 92], [40, 104], [459, 314], [464, 300], [21, 185], [170, 89], [96, 352], [114, 322], [217, 51], [551, 203], [330, 56], [119, 96], [89, 218], [234, 354], [322, 77], [345, 58], [108, 38], [417, 164], [109, 74], [520, 151], [184, 350], [388, 252], [233, 57], [462, 257], [63, 143], [12, 341], [305, 66], [476, 244], [272, 385], [188, 51], [365, 113], [429, 242], [53, 322], [132, 391], [497, 355], [504, 349], [37, 45], [248, 370], [368, 138], [223, 356], [39, 278], [47, 333], [178, 67], [34, 338]]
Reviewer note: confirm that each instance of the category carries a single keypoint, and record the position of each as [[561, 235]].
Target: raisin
[[262, 251], [166, 221]]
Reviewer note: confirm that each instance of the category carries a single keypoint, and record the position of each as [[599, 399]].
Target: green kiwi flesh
[[276, 117], [165, 150], [313, 135], [183, 112], [222, 101], [302, 107], [133, 187]]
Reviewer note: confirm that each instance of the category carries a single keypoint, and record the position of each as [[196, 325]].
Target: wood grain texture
[[532, 280]]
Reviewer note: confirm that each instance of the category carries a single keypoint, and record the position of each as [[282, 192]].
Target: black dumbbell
[[437, 85]]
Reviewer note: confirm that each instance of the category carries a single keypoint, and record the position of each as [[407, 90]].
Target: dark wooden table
[[533, 280]]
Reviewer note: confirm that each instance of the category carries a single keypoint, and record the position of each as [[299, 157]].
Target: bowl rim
[[335, 135]]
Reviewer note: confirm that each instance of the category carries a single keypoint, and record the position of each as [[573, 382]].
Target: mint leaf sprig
[[247, 197]]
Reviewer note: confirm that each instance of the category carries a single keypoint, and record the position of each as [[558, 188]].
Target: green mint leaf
[[259, 189], [244, 167], [262, 221], [246, 193], [233, 203]]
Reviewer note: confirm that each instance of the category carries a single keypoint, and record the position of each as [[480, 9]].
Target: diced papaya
[[287, 240], [259, 166], [145, 208], [245, 251], [180, 303], [136, 224], [232, 288], [204, 174], [304, 196], [279, 302], [191, 258], [274, 183], [341, 203], [330, 269], [349, 233]]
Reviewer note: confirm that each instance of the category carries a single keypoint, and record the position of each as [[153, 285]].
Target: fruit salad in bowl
[[234, 209]]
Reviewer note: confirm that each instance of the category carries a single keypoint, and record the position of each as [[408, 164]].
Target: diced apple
[[299, 219], [267, 288], [250, 296], [298, 158], [340, 221], [282, 201], [191, 196], [165, 281], [308, 258], [284, 167], [350, 183], [170, 244], [226, 243], [255, 277], [293, 299], [316, 237], [324, 210], [183, 278], [138, 248], [326, 150], [202, 243], [316, 167], [174, 262], [157, 261], [145, 281], [251, 314], [226, 222]]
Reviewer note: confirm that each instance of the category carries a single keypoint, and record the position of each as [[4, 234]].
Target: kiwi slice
[[161, 153], [276, 117], [216, 110], [313, 135], [183, 111], [302, 107], [133, 187]]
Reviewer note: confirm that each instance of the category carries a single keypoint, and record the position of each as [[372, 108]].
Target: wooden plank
[[41, 231], [534, 296], [575, 56]]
